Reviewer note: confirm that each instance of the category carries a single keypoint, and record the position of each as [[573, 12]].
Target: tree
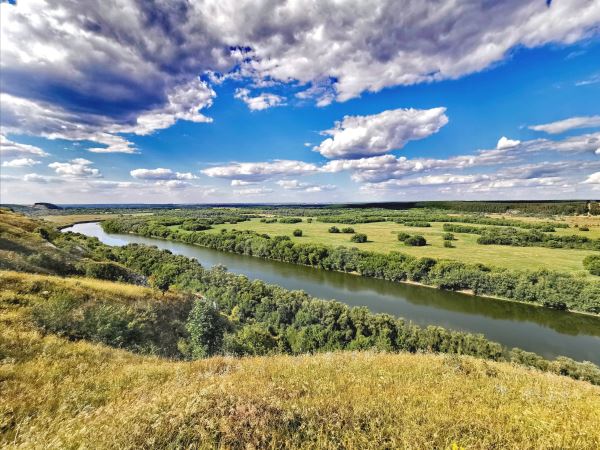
[[359, 238], [297, 232], [206, 327], [416, 241]]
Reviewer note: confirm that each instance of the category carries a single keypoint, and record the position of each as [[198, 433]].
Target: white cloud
[[561, 126], [77, 168], [504, 143], [295, 185], [161, 174], [594, 79], [91, 71], [37, 178], [357, 136], [594, 178], [262, 101], [20, 162], [242, 183], [11, 149], [259, 191], [260, 171]]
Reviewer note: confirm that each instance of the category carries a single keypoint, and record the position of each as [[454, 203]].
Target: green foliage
[[348, 230], [529, 286], [206, 327], [253, 339], [448, 244], [416, 241], [107, 271], [359, 238], [297, 232], [290, 220], [417, 224], [402, 236], [584, 228], [448, 237], [592, 264], [333, 229]]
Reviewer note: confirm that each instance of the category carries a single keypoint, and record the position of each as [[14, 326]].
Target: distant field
[[70, 219], [382, 238]]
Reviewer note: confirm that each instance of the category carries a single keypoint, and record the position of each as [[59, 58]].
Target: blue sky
[[152, 115]]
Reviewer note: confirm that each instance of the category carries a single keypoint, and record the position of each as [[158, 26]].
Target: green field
[[382, 238]]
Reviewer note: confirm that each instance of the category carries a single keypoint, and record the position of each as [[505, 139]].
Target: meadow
[[382, 237], [60, 393]]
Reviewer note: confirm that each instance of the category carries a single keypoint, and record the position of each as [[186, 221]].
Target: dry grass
[[60, 394]]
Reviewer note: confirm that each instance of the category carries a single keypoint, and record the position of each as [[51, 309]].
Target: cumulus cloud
[[11, 149], [259, 102], [504, 143], [20, 162], [76, 168], [571, 123], [258, 191], [357, 136], [260, 171], [593, 178], [160, 174], [93, 71], [295, 185]]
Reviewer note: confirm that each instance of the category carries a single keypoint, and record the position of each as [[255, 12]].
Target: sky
[[174, 101]]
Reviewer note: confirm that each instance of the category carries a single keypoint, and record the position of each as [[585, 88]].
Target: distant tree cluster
[[541, 287]]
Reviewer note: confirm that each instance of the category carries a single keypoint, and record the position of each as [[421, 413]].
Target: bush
[[448, 236], [297, 232], [584, 228], [402, 236], [290, 220], [448, 244], [347, 230], [417, 224], [333, 229], [592, 263], [309, 220], [107, 271], [416, 241], [359, 238]]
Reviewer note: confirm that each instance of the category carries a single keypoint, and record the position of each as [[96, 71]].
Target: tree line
[[237, 316], [544, 287]]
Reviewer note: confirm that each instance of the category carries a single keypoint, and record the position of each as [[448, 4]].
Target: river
[[546, 332]]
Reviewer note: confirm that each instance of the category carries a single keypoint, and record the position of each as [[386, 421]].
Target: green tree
[[297, 232], [416, 241], [206, 327], [359, 238]]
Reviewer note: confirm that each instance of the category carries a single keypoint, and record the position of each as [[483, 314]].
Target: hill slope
[[57, 393]]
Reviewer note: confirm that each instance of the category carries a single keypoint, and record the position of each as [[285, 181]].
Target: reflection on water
[[544, 331]]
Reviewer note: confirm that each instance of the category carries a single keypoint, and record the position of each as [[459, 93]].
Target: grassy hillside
[[56, 393]]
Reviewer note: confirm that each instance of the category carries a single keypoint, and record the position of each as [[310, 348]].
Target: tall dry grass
[[60, 394]]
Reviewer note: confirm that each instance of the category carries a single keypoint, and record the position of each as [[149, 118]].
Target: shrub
[[584, 228], [333, 229], [359, 238], [416, 241], [107, 271], [417, 224], [297, 232], [448, 236], [347, 230], [448, 244], [402, 236], [290, 220], [309, 220], [592, 263]]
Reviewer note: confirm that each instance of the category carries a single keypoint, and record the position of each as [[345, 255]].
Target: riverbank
[[515, 324], [404, 281]]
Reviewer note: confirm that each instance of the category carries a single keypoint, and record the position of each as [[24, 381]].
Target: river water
[[547, 332]]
